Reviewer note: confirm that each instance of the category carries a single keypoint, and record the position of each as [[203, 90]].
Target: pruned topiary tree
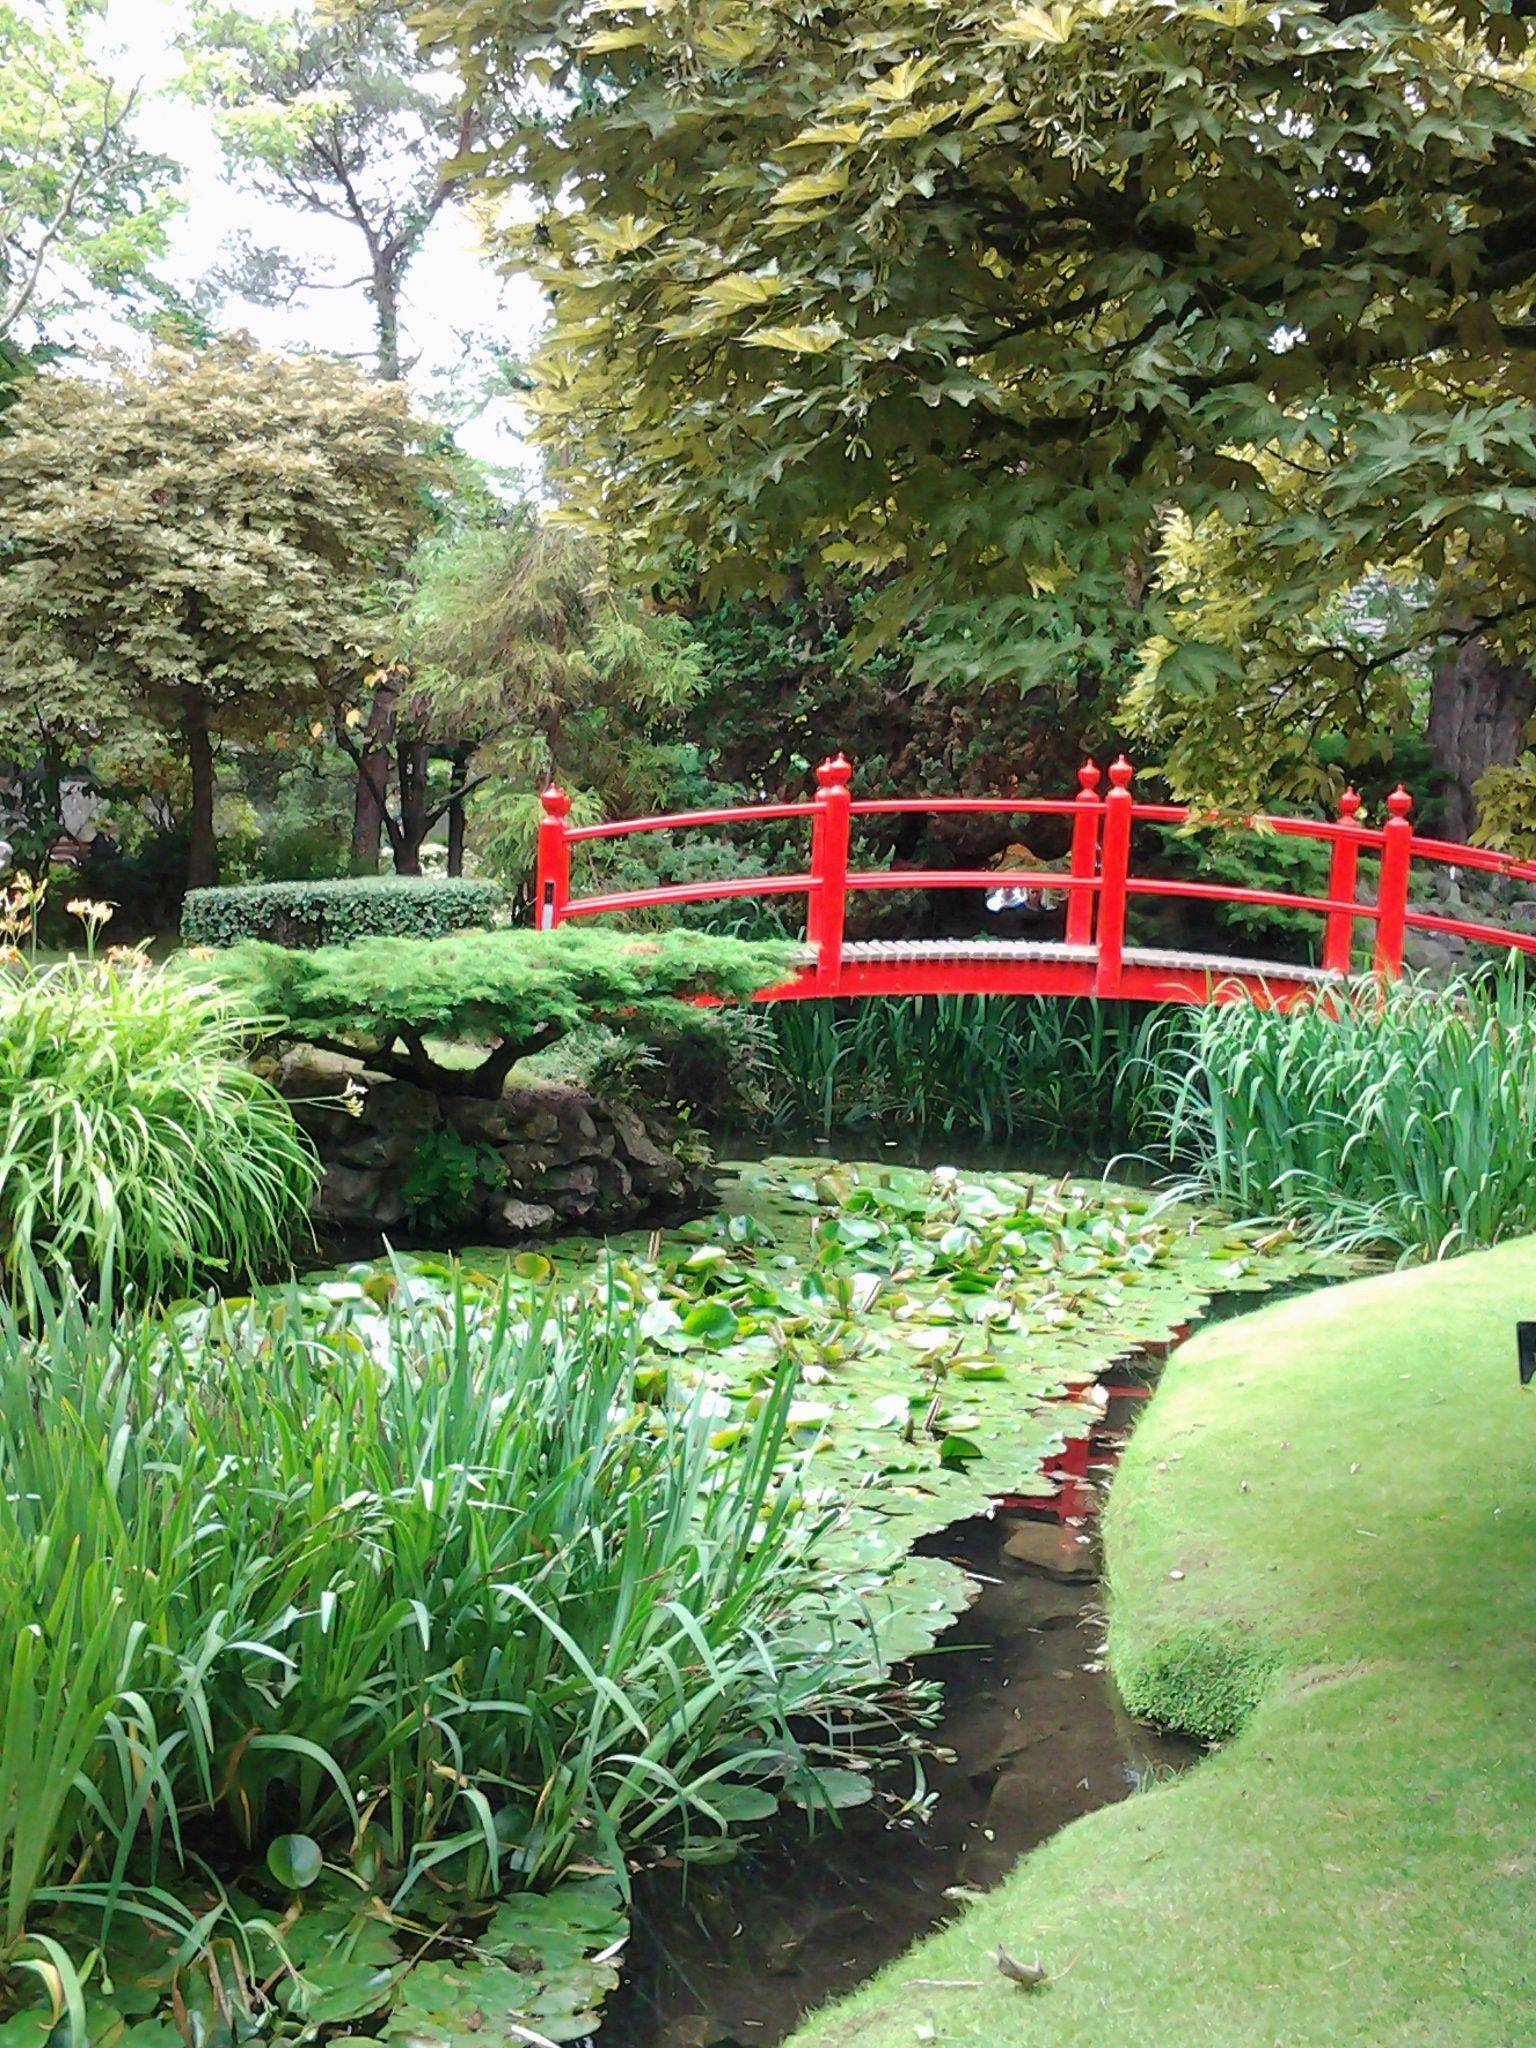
[[510, 993]]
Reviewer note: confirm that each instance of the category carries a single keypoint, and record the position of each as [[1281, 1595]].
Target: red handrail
[[1098, 883], [1232, 892], [748, 814], [963, 806], [1046, 880]]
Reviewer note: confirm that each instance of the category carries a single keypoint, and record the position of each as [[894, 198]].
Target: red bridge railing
[[1099, 882]]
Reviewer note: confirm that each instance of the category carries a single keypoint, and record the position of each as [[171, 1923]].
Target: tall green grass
[[991, 1066], [430, 1573], [136, 1145], [1401, 1118]]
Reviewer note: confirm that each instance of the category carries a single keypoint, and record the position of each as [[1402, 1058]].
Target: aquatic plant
[[996, 1066], [1396, 1117], [421, 1585]]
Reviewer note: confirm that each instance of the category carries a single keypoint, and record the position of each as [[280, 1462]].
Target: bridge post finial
[[552, 874], [835, 772], [1392, 884], [1120, 773], [1339, 926], [1083, 865]]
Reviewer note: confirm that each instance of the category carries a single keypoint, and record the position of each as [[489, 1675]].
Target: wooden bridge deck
[[1046, 967]]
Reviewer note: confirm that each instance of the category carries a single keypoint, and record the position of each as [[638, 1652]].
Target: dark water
[[740, 1955], [900, 1146]]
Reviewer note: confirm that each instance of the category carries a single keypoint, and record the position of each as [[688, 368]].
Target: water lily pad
[[711, 1323], [831, 1787], [295, 1861]]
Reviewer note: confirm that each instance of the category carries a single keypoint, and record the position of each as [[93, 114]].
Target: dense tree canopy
[[532, 656], [971, 299], [198, 545]]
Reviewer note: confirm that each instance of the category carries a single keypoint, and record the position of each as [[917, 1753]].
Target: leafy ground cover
[[1323, 1534]]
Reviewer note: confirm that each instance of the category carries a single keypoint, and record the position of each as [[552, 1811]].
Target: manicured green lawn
[[1342, 1488]]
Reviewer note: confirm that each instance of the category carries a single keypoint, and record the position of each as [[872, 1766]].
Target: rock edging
[[570, 1161]]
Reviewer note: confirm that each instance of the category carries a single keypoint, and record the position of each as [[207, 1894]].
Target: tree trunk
[[202, 846], [412, 760], [386, 313], [373, 777], [1479, 708], [460, 775]]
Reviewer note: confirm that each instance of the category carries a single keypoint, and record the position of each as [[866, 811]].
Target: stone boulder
[[567, 1160]]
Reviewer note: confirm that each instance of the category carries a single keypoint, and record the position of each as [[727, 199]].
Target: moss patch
[[1205, 1680]]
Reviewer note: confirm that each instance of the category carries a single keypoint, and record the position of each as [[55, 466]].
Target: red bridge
[[1099, 883]]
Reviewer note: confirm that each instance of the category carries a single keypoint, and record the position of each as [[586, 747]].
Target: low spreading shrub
[[136, 1144], [1397, 1117], [334, 913], [402, 1577], [511, 993]]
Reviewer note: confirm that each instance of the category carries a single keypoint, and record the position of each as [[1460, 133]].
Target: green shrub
[[446, 1177], [393, 1571], [1275, 861], [325, 913], [136, 1144], [1396, 1117], [306, 829], [1204, 1680], [513, 993]]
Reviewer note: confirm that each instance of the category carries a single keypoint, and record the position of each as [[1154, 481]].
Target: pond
[[1032, 1736], [642, 1637], [947, 1328]]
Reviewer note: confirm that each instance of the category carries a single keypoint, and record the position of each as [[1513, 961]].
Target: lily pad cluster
[[941, 1322]]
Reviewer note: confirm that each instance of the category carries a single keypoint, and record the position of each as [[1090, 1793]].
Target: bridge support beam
[[552, 876], [1084, 863], [1114, 868], [1392, 884], [1339, 931], [829, 872]]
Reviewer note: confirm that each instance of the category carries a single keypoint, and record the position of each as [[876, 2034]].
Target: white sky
[[453, 289]]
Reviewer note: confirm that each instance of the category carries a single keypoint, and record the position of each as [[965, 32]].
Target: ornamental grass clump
[[419, 1581], [137, 1147], [1395, 1117]]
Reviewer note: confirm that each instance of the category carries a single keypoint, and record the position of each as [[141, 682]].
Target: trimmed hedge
[[334, 913]]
